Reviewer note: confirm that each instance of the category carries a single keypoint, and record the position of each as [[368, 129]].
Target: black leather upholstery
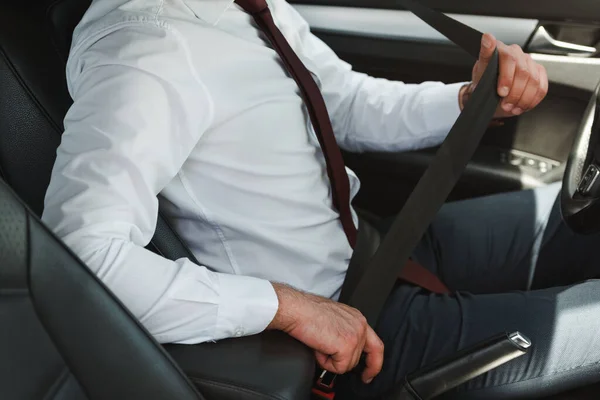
[[62, 335], [33, 100], [262, 367], [35, 36], [34, 45], [55, 309], [58, 314]]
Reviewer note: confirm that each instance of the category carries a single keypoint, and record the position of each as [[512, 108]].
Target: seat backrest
[[62, 334], [33, 96], [35, 37], [53, 313]]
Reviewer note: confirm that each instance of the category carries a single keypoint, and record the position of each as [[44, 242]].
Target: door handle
[[543, 42]]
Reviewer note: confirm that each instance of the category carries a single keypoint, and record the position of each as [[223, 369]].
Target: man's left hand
[[522, 83]]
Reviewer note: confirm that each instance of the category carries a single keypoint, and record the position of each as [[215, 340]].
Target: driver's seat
[[35, 38], [53, 309]]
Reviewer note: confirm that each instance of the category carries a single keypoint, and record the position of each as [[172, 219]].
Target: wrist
[[286, 317], [463, 95]]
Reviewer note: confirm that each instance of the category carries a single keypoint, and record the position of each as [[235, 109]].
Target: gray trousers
[[513, 265]]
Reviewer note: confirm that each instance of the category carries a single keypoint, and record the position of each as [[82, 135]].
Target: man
[[188, 99]]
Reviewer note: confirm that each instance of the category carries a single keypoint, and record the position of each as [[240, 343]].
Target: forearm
[[292, 307], [368, 113], [382, 115], [179, 301]]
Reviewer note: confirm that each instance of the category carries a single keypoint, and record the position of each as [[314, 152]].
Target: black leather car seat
[[35, 37], [54, 311]]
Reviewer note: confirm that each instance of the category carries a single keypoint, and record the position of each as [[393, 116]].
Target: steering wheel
[[580, 196]]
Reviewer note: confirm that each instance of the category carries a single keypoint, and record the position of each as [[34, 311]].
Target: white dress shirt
[[184, 98]]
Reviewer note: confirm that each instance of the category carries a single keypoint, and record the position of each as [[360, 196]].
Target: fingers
[[374, 360], [338, 334], [338, 363], [543, 88], [522, 83], [352, 343], [326, 362], [508, 63], [358, 351], [527, 99], [519, 82]]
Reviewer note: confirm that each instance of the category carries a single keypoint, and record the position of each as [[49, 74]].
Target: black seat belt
[[439, 179], [378, 280]]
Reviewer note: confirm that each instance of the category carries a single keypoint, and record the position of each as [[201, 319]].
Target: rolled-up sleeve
[[139, 110]]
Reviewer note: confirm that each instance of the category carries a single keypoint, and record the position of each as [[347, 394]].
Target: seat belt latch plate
[[324, 387]]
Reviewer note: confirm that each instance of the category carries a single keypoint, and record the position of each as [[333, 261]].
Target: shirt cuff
[[442, 107], [247, 306]]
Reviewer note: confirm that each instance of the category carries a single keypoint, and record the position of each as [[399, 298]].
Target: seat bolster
[[106, 348], [271, 365]]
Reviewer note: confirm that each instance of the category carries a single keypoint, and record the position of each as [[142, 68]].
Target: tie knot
[[252, 6]]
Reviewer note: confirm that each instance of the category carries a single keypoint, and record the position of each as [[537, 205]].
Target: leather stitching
[[118, 306], [234, 388], [58, 384]]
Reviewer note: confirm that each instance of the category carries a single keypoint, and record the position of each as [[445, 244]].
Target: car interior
[[63, 335]]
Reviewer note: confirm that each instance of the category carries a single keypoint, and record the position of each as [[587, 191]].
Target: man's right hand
[[339, 334]]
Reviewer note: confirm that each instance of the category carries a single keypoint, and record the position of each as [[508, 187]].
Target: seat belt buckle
[[324, 388]]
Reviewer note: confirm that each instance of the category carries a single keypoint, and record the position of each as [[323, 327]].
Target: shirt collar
[[210, 11]]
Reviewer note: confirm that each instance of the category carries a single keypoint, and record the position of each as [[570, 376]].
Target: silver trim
[[595, 172], [578, 72], [403, 25], [520, 340], [543, 42]]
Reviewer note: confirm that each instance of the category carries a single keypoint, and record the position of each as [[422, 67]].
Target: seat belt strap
[[368, 241], [439, 179], [418, 275], [377, 282]]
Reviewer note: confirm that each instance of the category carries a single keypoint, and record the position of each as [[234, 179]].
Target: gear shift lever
[[461, 367]]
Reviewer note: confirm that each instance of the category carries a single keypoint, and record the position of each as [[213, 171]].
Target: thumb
[[488, 45], [328, 363], [322, 360]]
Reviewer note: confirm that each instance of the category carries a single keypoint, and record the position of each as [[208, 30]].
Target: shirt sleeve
[[376, 114], [138, 112]]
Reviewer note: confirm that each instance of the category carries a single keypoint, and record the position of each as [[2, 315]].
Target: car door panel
[[381, 39], [553, 10], [405, 26]]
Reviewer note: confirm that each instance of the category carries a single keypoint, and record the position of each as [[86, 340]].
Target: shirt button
[[239, 332]]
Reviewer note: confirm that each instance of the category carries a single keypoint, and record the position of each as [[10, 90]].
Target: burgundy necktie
[[336, 170], [317, 110]]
